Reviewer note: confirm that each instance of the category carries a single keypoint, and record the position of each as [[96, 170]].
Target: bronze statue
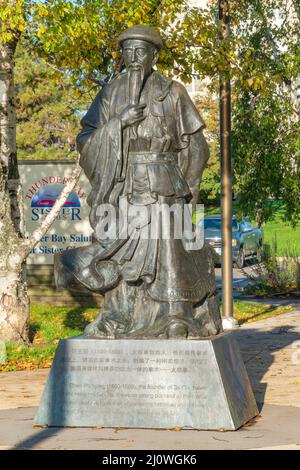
[[142, 143]]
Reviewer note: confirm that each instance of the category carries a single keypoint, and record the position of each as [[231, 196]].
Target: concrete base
[[229, 323], [194, 384]]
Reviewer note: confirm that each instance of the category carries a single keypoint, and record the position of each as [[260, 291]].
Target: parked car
[[246, 239]]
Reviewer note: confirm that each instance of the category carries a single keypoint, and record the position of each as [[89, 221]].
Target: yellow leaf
[[41, 31]]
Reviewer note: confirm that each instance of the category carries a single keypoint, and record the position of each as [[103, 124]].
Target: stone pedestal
[[194, 384]]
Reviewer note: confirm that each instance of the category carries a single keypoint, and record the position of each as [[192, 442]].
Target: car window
[[215, 224]]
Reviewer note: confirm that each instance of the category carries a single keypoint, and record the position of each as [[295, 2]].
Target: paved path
[[271, 351], [240, 280], [21, 389], [278, 426]]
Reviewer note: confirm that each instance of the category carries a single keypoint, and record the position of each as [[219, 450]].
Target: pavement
[[240, 279], [271, 352]]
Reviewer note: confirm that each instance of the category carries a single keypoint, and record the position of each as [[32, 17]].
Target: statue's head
[[140, 46]]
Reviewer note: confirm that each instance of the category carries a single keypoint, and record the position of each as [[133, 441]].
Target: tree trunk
[[14, 300], [14, 307], [14, 249]]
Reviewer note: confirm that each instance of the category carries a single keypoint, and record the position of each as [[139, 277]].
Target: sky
[[198, 3]]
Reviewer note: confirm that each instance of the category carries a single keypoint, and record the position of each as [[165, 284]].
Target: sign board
[[42, 182]]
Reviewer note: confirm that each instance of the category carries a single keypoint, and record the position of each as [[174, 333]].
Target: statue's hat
[[142, 32]]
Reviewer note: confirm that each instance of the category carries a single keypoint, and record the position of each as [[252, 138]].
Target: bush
[[275, 275]]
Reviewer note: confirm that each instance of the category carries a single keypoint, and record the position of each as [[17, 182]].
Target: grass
[[287, 237], [248, 312], [49, 324]]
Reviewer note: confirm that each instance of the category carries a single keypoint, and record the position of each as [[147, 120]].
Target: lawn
[[287, 238], [48, 324], [248, 312]]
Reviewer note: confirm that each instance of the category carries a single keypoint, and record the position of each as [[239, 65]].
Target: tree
[[266, 154], [207, 103], [261, 59], [48, 107], [265, 113]]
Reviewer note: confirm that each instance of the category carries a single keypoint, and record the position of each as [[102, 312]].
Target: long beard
[[135, 83]]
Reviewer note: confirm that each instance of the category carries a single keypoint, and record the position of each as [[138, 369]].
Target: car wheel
[[240, 262], [259, 254]]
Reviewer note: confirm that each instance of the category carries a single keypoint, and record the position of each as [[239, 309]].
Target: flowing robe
[[160, 160]]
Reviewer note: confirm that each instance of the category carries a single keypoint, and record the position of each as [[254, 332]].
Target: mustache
[[136, 66]]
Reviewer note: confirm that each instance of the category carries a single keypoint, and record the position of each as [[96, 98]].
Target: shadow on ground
[[258, 348]]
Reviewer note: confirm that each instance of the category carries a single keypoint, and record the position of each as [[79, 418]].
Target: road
[[240, 280]]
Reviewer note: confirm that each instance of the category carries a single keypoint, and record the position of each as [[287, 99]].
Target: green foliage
[[275, 275], [265, 113], [266, 153], [81, 36], [13, 19], [208, 105], [49, 109]]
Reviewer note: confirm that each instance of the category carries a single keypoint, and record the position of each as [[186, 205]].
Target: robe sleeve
[[193, 148], [193, 160], [100, 146]]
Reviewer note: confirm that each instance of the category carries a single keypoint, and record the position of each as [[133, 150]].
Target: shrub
[[275, 275]]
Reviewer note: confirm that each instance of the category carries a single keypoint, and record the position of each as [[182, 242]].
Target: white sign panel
[[42, 182]]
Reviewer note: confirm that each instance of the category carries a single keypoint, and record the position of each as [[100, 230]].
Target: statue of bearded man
[[142, 144]]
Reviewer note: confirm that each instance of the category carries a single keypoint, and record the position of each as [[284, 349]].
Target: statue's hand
[[132, 114]]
